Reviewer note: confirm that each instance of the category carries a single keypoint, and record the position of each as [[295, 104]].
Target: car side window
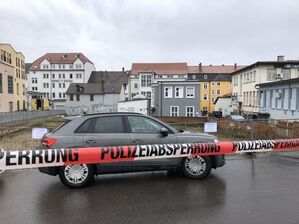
[[107, 124], [144, 125]]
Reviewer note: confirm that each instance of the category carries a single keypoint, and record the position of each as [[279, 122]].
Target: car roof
[[113, 113]]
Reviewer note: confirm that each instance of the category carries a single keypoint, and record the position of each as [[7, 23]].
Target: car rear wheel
[[197, 167], [76, 176]]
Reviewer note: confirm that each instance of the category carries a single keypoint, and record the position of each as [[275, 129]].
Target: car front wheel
[[197, 167], [76, 176]]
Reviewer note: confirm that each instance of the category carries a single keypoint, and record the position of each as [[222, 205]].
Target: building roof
[[27, 67], [224, 96], [267, 63], [59, 58], [111, 77], [160, 68], [17, 52], [100, 83], [280, 82], [214, 69]]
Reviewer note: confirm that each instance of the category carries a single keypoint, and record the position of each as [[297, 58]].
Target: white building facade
[[245, 92], [52, 74], [143, 75]]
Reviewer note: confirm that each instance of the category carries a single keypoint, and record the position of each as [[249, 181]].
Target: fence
[[248, 129], [26, 115]]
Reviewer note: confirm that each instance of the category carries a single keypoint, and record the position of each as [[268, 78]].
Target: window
[[79, 76], [174, 111], [205, 76], [46, 85], [53, 95], [190, 92], [59, 85], [105, 124], [60, 95], [63, 95], [1, 89], [146, 80], [144, 125], [212, 99], [167, 92], [63, 76], [213, 83], [193, 76], [59, 76], [205, 96], [34, 80], [147, 94], [53, 85], [271, 74], [71, 66], [53, 76], [78, 66], [46, 76], [71, 97], [213, 92], [189, 111], [78, 97], [205, 85], [71, 76], [218, 92], [91, 97], [179, 92], [218, 83], [63, 85], [135, 85], [10, 83], [205, 109]]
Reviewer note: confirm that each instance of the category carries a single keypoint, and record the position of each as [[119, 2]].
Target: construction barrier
[[11, 160]]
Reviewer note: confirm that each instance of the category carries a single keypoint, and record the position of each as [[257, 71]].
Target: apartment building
[[12, 79], [51, 74], [215, 81], [143, 75], [246, 95]]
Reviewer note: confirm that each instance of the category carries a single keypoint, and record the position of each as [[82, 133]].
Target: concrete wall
[[137, 106]]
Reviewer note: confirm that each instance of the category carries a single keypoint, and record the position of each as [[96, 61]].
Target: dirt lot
[[19, 135]]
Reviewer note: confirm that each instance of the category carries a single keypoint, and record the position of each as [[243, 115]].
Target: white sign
[[38, 133], [210, 127]]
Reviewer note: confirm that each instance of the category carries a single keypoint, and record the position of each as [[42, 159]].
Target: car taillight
[[49, 142]]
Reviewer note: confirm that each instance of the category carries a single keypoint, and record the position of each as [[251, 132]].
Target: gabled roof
[[160, 68], [100, 83], [59, 58], [213, 69]]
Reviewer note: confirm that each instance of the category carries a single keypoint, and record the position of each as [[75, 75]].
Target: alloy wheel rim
[[76, 174], [195, 165]]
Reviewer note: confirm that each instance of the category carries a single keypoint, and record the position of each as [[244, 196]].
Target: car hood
[[196, 135]]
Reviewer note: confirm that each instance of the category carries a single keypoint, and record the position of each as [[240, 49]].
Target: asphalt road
[[260, 190]]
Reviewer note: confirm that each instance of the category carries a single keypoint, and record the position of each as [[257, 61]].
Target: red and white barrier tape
[[10, 160]]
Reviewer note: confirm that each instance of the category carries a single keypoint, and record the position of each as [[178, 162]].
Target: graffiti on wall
[[95, 108]]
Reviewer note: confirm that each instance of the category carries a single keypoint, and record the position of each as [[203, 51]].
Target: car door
[[107, 131], [143, 131]]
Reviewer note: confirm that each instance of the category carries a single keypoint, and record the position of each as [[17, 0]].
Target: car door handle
[[90, 141], [137, 141]]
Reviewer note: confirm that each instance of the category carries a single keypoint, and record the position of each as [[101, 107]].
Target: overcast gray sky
[[115, 33]]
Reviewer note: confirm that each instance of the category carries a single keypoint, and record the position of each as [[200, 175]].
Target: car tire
[[197, 167], [76, 176]]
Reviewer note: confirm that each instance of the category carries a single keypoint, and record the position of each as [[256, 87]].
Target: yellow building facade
[[209, 91], [12, 79]]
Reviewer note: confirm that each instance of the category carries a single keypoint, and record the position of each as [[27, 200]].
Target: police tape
[[11, 160]]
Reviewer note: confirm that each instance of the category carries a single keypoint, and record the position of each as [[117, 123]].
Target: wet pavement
[[260, 190]]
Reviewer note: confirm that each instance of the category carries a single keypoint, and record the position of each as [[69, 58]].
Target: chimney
[[123, 69], [280, 58], [236, 66], [199, 66], [103, 86]]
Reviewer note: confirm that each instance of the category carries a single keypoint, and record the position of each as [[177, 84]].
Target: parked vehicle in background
[[117, 129], [235, 117], [251, 116], [217, 114]]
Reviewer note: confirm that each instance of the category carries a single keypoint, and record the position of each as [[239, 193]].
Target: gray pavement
[[260, 190]]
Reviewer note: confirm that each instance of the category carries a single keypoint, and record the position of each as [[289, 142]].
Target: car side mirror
[[164, 132]]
